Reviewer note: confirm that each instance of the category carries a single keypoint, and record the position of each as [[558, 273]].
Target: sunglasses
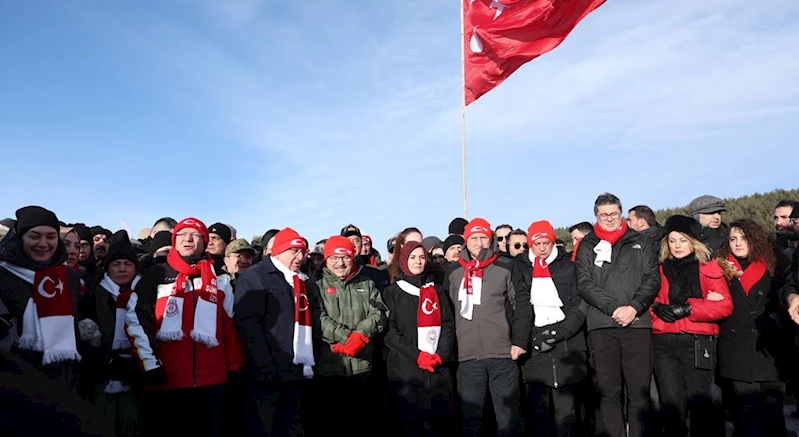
[[520, 245], [501, 238]]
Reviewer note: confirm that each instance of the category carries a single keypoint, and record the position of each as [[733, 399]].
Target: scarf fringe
[[116, 387], [204, 339], [307, 371], [169, 336], [57, 356], [31, 344], [120, 344]]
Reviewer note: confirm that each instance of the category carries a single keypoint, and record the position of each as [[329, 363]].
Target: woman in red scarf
[[749, 341]]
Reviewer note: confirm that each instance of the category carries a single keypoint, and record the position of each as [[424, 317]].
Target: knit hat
[[457, 226], [405, 253], [239, 245], [684, 225], [366, 238], [478, 226], [160, 240], [706, 205], [31, 216], [451, 241], [191, 223], [339, 246], [350, 230], [119, 248], [429, 242], [84, 233], [222, 230], [794, 213], [539, 230], [99, 230], [288, 239]]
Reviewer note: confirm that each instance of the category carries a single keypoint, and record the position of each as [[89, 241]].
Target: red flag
[[500, 37]]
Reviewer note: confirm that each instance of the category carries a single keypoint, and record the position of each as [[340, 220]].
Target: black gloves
[[233, 378], [155, 376], [546, 339], [671, 313]]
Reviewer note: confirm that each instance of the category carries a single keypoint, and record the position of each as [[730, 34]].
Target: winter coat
[[631, 278], [340, 307], [566, 362], [750, 347], [264, 314], [419, 393], [500, 321], [714, 239], [186, 363], [705, 314], [117, 367]]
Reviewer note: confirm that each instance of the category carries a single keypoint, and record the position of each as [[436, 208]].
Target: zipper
[[194, 343], [555, 372]]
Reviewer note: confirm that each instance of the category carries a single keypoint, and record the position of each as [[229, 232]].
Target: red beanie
[[288, 239], [539, 230], [191, 223], [478, 226], [339, 246]]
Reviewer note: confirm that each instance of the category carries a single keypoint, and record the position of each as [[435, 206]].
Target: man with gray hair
[[707, 211]]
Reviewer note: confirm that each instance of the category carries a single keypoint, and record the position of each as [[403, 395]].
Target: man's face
[[366, 246], [100, 245], [517, 244], [189, 242], [712, 221], [238, 262], [356, 242], [291, 258], [542, 248], [576, 236], [609, 217], [782, 218], [476, 243], [453, 252], [216, 245], [340, 265], [502, 238], [636, 223]]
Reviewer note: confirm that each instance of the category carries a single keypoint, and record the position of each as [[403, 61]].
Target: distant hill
[[758, 206]]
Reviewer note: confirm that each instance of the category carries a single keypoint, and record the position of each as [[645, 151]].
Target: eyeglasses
[[520, 245], [613, 215], [186, 235], [337, 259]]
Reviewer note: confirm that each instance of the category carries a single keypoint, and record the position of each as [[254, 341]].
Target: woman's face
[[122, 271], [40, 243], [72, 243], [679, 245], [417, 261], [738, 244]]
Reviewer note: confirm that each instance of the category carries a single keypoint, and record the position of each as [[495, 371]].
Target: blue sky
[[316, 114]]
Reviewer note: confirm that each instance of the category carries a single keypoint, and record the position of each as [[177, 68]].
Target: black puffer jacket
[[566, 362], [631, 278]]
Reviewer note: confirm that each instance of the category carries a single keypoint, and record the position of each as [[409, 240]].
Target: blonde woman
[[693, 296]]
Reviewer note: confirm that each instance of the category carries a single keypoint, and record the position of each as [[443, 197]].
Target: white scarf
[[543, 292], [303, 335], [205, 314], [53, 336], [121, 340], [426, 336], [602, 251]]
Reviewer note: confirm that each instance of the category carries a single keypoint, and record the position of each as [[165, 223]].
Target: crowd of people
[[640, 329]]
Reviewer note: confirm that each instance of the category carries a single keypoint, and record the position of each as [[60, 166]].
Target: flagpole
[[463, 115]]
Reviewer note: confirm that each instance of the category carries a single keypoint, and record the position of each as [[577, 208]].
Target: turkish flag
[[500, 37]]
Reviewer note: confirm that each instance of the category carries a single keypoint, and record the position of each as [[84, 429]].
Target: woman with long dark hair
[[693, 296], [749, 339]]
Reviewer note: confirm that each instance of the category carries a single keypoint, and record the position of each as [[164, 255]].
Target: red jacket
[[704, 313], [186, 363]]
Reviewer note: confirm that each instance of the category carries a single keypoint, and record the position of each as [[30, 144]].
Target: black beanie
[[684, 225], [160, 239], [84, 233], [31, 216], [451, 241], [120, 248], [222, 230], [99, 230], [457, 226]]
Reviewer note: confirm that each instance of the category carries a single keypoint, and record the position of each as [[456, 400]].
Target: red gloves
[[428, 362], [355, 343]]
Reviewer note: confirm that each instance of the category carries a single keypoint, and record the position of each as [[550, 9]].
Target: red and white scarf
[[121, 297], [48, 323], [604, 248], [543, 293], [751, 275], [471, 290], [303, 336], [169, 304], [428, 315]]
